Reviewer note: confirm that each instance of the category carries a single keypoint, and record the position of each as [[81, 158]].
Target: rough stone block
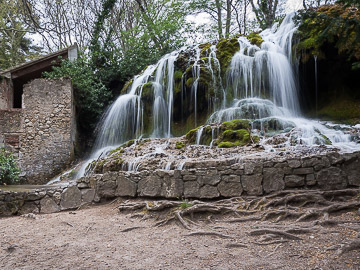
[[294, 181], [189, 177], [106, 189], [303, 170], [252, 184], [70, 198], [230, 189], [209, 180], [310, 180], [125, 187], [150, 186], [191, 189], [172, 187], [87, 195], [273, 179], [47, 206], [29, 207], [294, 163], [352, 171], [231, 178], [253, 167], [209, 192], [331, 178]]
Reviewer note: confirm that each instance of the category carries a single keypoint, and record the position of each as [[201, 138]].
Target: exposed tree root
[[354, 245], [209, 233], [301, 206]]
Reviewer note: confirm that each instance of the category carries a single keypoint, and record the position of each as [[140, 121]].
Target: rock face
[[203, 180]]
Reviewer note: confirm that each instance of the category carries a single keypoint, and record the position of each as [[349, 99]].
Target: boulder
[[230, 189], [252, 184], [70, 198], [125, 187], [48, 206], [331, 178]]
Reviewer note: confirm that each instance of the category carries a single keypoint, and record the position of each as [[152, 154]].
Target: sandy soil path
[[98, 238]]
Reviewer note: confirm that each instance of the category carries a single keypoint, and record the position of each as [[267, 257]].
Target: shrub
[[9, 171]]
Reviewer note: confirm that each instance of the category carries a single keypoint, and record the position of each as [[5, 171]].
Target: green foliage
[[185, 205], [180, 145], [331, 24], [15, 46], [9, 171], [91, 95]]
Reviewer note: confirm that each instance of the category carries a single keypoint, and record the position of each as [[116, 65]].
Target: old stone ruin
[[37, 117]]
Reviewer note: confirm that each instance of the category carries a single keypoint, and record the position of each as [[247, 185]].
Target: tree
[[265, 11], [229, 16], [15, 46]]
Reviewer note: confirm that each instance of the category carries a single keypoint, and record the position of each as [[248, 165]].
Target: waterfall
[[196, 76], [260, 85]]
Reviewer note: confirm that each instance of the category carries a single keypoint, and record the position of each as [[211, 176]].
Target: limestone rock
[[191, 189], [230, 189], [125, 187], [352, 171], [87, 195], [273, 179], [172, 187], [209, 192], [106, 189], [331, 178], [70, 198], [47, 206], [252, 184], [150, 186], [294, 181]]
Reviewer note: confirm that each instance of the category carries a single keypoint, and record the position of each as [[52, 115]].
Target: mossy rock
[[179, 145], [255, 39], [189, 82], [147, 92], [226, 48], [236, 125], [191, 135], [124, 90], [204, 48], [178, 75]]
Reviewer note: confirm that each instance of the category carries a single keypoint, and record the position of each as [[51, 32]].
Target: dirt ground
[[102, 237]]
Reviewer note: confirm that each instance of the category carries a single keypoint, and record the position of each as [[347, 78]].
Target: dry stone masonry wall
[[202, 180], [232, 177], [48, 140], [42, 133]]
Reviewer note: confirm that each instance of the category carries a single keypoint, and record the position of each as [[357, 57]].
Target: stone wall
[[235, 177], [6, 97], [43, 132], [48, 140], [202, 180]]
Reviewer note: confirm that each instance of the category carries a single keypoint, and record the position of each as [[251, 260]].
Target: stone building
[[37, 117]]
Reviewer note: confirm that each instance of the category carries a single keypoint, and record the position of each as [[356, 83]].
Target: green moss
[[343, 109], [189, 82], [226, 49], [178, 75], [191, 135], [236, 124], [255, 39], [180, 145], [226, 145], [204, 48], [126, 87], [147, 92], [130, 143]]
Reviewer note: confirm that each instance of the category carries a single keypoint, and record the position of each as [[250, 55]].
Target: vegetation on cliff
[[9, 171], [331, 24]]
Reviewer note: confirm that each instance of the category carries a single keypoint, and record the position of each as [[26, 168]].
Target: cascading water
[[260, 86]]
